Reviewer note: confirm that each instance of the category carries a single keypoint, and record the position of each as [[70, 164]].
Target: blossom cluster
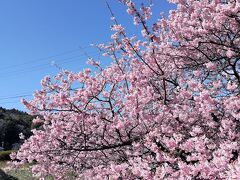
[[167, 107]]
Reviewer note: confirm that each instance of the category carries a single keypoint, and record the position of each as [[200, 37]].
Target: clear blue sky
[[34, 33]]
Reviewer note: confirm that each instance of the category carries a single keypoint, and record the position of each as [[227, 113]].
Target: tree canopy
[[167, 107], [12, 123]]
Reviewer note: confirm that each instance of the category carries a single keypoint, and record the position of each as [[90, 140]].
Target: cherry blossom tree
[[167, 107]]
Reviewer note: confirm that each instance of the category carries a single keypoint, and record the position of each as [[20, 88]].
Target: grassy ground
[[22, 174]]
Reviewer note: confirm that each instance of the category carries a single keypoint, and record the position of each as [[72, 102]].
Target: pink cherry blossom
[[167, 107]]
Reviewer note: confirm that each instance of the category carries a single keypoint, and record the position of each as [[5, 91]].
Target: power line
[[42, 66], [7, 99], [15, 97], [80, 48], [18, 94], [44, 58]]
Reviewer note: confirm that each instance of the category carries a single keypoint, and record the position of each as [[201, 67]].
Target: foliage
[[4, 155], [12, 123], [167, 107]]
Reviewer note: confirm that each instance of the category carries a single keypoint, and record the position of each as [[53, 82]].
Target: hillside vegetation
[[12, 123]]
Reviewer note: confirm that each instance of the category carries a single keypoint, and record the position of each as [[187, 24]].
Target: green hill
[[12, 123]]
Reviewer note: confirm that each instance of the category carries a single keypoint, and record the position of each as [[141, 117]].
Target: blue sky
[[35, 33]]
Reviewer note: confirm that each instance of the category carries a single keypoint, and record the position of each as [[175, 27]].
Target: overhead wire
[[17, 94], [43, 66], [4, 99], [80, 48], [15, 97], [44, 58]]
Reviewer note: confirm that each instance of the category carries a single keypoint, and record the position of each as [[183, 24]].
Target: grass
[[23, 173]]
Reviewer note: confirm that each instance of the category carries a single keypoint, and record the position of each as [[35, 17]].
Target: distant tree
[[12, 123], [167, 107], [11, 134]]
